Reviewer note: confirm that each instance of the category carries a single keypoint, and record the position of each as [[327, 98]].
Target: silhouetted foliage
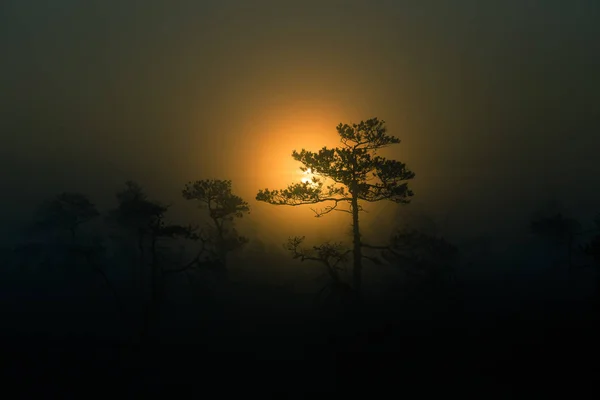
[[422, 253], [561, 231], [424, 292], [347, 175], [334, 257], [223, 208], [67, 211], [135, 213], [556, 228], [145, 220]]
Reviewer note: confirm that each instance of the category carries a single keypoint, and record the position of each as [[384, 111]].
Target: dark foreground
[[494, 354]]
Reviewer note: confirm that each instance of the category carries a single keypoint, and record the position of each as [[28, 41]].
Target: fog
[[497, 105]]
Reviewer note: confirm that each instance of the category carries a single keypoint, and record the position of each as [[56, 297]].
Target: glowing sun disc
[[307, 178]]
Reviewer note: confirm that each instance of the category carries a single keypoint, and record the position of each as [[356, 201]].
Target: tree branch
[[194, 262], [328, 209], [389, 249], [375, 247], [373, 259], [329, 254]]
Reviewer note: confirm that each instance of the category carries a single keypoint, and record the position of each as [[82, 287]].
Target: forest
[[137, 296]]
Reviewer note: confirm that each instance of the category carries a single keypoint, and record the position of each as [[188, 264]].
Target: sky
[[497, 103]]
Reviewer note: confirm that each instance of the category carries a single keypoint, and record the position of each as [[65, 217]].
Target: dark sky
[[497, 103]]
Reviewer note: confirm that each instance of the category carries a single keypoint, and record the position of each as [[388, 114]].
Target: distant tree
[[333, 256], [562, 231], [557, 230], [137, 216], [350, 174], [65, 212], [223, 207], [145, 219], [427, 257]]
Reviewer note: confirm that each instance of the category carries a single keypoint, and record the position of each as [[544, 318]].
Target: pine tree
[[348, 175]]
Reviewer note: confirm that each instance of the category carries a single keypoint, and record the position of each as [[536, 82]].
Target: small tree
[[428, 260], [223, 207], [559, 231], [332, 256], [145, 220], [138, 216], [556, 228], [65, 212], [350, 174]]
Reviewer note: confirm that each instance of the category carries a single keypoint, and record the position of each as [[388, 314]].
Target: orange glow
[[273, 135], [263, 159]]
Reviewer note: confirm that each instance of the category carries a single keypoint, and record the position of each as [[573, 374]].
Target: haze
[[497, 104]]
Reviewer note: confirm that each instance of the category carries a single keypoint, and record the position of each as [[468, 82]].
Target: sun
[[307, 177]]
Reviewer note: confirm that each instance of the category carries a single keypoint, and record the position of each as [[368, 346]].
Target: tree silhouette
[[139, 217], [145, 220], [223, 207], [66, 213], [558, 230], [333, 256], [425, 257], [349, 174]]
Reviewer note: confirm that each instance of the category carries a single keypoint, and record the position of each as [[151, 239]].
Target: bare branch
[[328, 209], [328, 254], [375, 260], [194, 262]]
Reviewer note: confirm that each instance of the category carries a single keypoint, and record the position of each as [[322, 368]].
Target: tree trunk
[[153, 274], [107, 282], [221, 246], [141, 266], [357, 249]]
